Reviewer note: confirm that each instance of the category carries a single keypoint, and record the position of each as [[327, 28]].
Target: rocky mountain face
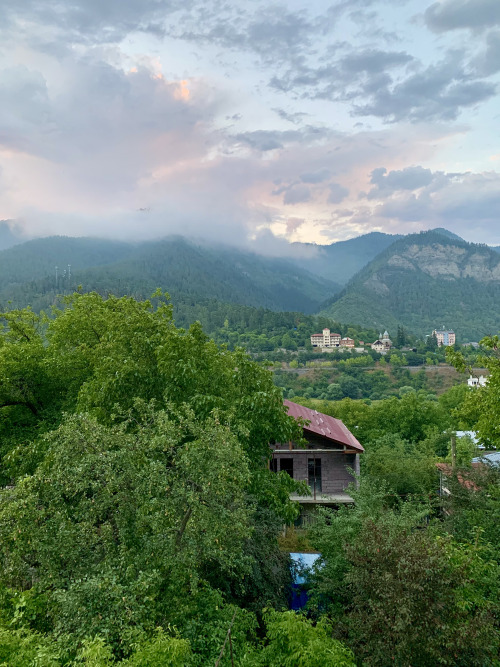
[[448, 262], [423, 281]]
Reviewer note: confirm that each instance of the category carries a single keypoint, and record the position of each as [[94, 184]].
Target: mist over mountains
[[184, 268], [379, 280]]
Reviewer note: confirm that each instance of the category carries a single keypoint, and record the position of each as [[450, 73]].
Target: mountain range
[[187, 269], [424, 281], [340, 261], [421, 281]]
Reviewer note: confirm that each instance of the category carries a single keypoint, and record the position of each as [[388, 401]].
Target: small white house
[[477, 381]]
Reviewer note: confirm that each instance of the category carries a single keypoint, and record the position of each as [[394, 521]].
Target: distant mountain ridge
[[423, 281], [341, 260], [184, 268]]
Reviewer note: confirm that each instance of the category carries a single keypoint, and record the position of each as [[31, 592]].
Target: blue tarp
[[301, 567]]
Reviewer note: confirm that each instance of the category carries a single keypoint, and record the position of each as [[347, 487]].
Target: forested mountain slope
[[424, 281], [188, 270], [38, 258]]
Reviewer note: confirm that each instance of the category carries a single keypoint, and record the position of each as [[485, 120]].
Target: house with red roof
[[326, 462]]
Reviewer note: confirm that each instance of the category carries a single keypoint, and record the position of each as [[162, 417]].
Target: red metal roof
[[324, 425]]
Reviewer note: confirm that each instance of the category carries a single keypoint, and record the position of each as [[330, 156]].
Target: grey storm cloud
[[268, 140], [488, 62], [262, 140], [336, 77], [455, 14], [294, 118], [337, 193], [297, 194], [478, 200], [438, 92], [373, 60], [379, 83], [411, 178], [273, 32], [467, 200], [318, 176], [89, 20]]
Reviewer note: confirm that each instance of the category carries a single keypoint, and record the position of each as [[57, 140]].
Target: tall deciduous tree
[[401, 594]]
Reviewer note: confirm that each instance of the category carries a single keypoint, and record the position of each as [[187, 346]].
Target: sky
[[250, 122]]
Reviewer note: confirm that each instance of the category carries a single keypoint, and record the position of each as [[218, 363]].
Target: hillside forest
[[377, 281], [141, 525]]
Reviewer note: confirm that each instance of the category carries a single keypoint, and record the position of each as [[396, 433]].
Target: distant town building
[[444, 337], [382, 344], [477, 382], [326, 339], [385, 338], [347, 342]]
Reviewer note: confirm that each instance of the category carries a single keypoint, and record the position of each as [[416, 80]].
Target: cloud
[[340, 77], [439, 92], [270, 140], [463, 203], [86, 21], [408, 208], [25, 113], [410, 178], [337, 193], [101, 111], [471, 197], [488, 62], [262, 140], [271, 31], [393, 85], [315, 176], [297, 194], [456, 14], [292, 224], [373, 61], [295, 118], [92, 129]]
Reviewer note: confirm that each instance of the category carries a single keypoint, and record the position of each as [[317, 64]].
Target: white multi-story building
[[326, 339]]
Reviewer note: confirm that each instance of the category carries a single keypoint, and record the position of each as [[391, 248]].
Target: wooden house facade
[[326, 462]]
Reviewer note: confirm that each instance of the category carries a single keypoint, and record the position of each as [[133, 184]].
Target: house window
[[273, 465], [287, 466], [314, 474]]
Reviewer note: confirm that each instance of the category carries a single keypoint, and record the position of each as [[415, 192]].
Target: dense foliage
[[139, 520], [401, 591]]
